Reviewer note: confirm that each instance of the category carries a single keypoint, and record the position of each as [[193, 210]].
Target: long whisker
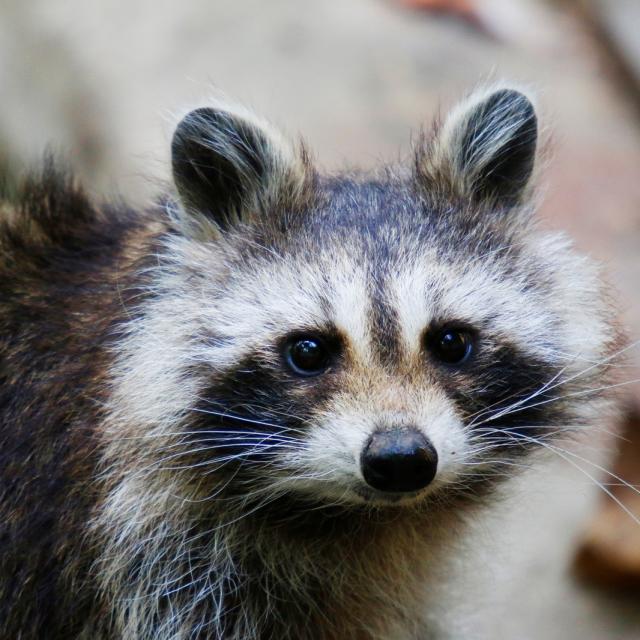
[[567, 456], [575, 394], [244, 419], [548, 386], [212, 432], [256, 449], [267, 410]]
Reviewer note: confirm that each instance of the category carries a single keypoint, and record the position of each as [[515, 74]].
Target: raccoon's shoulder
[[67, 264], [48, 221]]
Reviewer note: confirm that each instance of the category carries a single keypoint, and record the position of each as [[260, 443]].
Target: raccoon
[[263, 407]]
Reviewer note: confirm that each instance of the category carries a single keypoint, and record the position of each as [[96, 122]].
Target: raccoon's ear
[[485, 150], [229, 166]]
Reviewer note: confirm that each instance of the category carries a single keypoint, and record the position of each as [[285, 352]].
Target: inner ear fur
[[229, 166], [485, 150]]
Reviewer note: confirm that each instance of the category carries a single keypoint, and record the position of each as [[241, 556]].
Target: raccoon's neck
[[344, 576]]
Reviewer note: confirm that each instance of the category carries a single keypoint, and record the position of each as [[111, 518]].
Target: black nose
[[399, 460]]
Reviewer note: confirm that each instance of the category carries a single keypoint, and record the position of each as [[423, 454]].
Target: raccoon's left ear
[[229, 166], [485, 150]]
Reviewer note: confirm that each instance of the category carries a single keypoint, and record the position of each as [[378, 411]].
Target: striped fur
[[164, 475]]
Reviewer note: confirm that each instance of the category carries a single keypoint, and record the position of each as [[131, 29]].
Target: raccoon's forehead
[[337, 284], [377, 281]]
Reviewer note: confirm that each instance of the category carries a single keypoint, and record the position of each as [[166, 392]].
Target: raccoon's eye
[[307, 356], [451, 345]]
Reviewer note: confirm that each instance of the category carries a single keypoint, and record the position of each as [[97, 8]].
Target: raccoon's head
[[362, 339]]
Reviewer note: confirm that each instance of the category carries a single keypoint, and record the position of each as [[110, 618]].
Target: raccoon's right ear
[[229, 166]]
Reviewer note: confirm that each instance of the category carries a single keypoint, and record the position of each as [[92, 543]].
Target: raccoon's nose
[[399, 460]]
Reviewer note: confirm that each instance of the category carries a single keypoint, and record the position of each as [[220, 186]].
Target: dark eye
[[307, 356], [451, 346]]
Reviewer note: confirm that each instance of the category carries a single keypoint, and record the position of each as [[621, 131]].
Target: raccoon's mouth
[[389, 498]]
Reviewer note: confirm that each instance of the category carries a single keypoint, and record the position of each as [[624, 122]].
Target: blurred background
[[102, 82]]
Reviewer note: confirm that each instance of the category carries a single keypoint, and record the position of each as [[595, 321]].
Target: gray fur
[[226, 496]]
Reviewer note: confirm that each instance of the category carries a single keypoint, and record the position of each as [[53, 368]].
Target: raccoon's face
[[368, 339]]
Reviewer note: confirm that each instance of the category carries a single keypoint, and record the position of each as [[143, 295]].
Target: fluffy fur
[[164, 475]]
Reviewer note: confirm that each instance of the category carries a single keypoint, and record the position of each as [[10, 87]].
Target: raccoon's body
[[263, 408]]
